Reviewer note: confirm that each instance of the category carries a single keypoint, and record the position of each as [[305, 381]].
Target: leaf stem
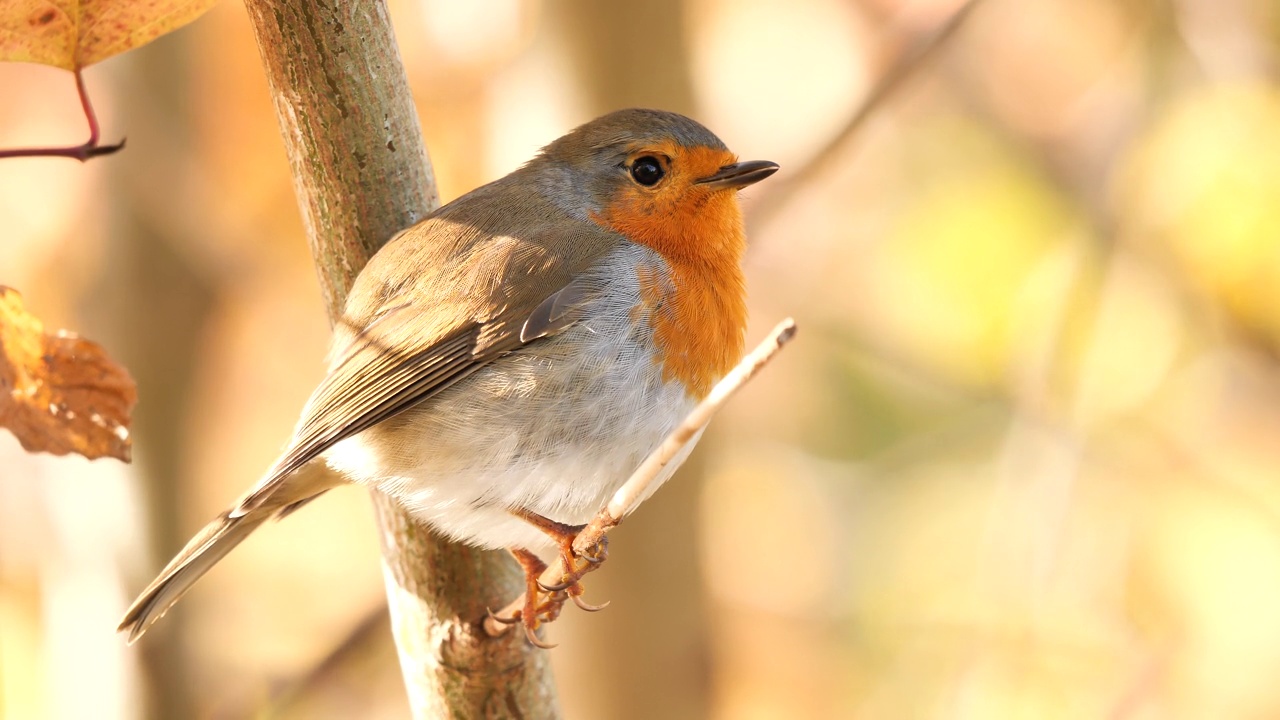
[[83, 152]]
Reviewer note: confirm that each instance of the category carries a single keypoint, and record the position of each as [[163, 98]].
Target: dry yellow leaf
[[60, 393], [72, 34]]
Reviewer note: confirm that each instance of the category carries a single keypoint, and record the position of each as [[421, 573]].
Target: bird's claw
[[543, 604], [532, 636], [504, 620], [531, 616], [586, 606], [559, 587], [543, 601]]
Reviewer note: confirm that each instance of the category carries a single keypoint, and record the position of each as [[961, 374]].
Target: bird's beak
[[739, 175]]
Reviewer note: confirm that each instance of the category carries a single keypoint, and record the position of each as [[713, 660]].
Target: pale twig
[[626, 499]]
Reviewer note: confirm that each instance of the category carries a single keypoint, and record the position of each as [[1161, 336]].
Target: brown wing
[[378, 381], [430, 327], [556, 313]]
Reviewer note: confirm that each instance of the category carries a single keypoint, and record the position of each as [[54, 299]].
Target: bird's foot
[[539, 606], [543, 603], [576, 565]]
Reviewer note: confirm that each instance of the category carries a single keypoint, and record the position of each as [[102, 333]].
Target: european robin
[[503, 366]]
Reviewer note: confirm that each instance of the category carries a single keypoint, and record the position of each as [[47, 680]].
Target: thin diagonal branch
[[917, 52]]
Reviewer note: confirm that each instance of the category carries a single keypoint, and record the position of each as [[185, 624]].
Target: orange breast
[[698, 309]]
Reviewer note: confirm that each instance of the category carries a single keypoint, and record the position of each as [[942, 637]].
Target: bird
[[502, 366]]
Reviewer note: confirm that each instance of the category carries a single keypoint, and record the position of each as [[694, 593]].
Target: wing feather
[[437, 303], [374, 381]]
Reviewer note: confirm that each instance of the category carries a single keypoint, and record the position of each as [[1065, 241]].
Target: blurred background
[[1023, 461]]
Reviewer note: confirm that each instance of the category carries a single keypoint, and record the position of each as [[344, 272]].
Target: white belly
[[555, 429]]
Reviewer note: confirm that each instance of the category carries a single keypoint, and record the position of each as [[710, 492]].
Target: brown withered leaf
[[72, 34], [60, 393]]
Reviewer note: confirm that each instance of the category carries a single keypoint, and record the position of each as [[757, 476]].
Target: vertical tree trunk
[[361, 174]]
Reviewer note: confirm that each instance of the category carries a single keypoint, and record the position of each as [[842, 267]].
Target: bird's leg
[[563, 536], [530, 615]]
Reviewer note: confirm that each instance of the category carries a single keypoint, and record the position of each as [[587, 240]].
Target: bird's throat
[[697, 299]]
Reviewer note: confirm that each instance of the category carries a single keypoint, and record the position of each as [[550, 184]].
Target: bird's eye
[[647, 171]]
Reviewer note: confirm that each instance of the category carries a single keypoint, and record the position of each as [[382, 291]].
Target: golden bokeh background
[[1023, 460]]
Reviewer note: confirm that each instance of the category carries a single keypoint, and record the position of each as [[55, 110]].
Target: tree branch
[[361, 174], [917, 51]]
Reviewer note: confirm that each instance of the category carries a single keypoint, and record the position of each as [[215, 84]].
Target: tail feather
[[203, 551], [278, 496]]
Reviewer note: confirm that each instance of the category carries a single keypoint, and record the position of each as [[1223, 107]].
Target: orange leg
[[529, 615], [563, 536], [544, 602]]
